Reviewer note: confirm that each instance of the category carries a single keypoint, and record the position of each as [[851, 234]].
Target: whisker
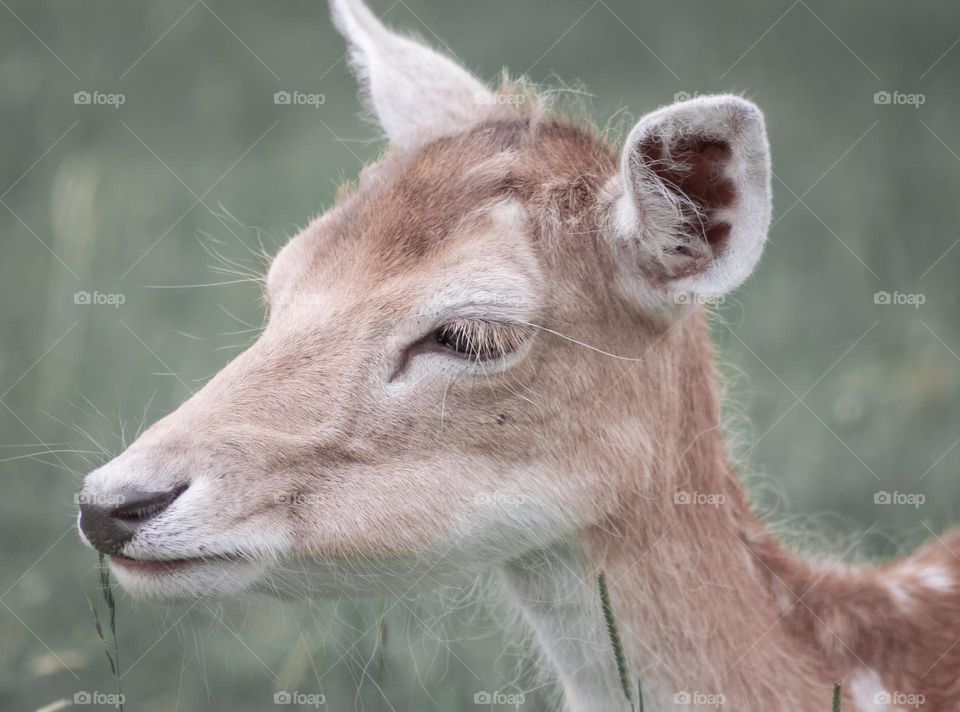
[[33, 455], [197, 286], [236, 318], [633, 359]]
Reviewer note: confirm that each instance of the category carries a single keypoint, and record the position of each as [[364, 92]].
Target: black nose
[[109, 522]]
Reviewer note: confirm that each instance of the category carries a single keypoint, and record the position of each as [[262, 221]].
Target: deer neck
[[701, 616], [552, 586], [696, 607]]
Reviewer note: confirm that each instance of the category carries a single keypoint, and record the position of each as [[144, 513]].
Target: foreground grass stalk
[[615, 642], [106, 588]]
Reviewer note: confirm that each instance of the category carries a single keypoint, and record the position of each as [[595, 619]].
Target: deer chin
[[189, 572], [172, 579], [473, 545], [316, 578]]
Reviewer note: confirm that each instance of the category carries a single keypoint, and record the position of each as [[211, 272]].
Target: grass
[[614, 634], [106, 587]]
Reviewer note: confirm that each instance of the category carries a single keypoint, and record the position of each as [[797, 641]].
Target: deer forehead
[[486, 265], [466, 212]]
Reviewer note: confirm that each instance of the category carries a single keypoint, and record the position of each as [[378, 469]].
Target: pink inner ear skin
[[695, 169]]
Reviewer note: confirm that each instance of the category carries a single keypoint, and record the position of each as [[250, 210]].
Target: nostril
[[137, 507], [108, 527]]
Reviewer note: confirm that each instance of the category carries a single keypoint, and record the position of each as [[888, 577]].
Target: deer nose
[[109, 526]]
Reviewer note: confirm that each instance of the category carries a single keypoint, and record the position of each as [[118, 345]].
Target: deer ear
[[695, 209], [411, 89]]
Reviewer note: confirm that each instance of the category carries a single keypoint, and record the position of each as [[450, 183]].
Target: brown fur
[[707, 599]]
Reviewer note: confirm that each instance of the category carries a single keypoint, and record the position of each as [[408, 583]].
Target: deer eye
[[480, 340]]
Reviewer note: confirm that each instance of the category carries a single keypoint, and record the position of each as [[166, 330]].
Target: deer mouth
[[186, 577], [168, 566]]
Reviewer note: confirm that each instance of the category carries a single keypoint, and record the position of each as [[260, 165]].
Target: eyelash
[[481, 340]]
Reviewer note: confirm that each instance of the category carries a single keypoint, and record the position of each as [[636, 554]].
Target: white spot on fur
[[936, 577]]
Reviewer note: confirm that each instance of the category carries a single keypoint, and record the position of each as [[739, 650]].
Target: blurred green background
[[845, 397]]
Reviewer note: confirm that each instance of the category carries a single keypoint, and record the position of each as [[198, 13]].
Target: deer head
[[413, 410]]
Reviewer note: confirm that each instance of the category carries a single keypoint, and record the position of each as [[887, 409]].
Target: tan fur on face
[[303, 437], [345, 453], [308, 433]]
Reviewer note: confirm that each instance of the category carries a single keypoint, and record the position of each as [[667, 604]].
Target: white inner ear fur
[[414, 92], [648, 217]]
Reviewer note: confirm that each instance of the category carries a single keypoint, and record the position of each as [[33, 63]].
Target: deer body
[[491, 355]]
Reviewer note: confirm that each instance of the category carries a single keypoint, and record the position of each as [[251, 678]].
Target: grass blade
[[106, 588], [615, 638]]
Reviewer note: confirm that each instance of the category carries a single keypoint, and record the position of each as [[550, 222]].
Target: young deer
[[492, 355]]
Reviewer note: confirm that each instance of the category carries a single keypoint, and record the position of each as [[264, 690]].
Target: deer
[[492, 355]]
